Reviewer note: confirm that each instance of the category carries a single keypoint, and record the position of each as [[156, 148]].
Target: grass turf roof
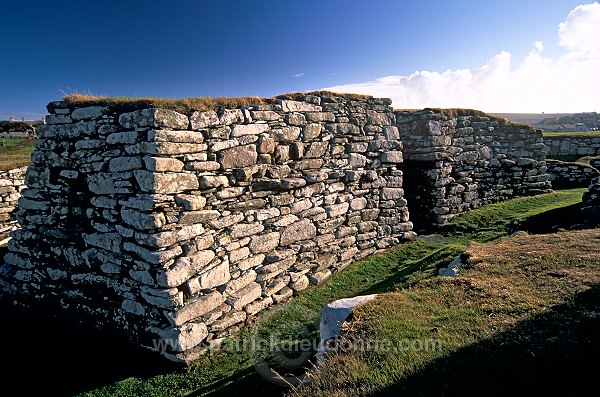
[[187, 105]]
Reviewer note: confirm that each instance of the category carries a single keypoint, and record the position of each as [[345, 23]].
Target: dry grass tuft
[[189, 105]]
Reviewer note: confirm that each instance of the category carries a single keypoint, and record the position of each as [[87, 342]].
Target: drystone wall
[[455, 164], [566, 175], [11, 183], [591, 204], [180, 227], [571, 146]]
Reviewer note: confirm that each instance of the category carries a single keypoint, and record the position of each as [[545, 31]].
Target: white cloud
[[580, 33], [538, 45], [570, 83], [298, 75]]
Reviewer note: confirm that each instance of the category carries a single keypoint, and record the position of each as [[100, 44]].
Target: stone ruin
[[180, 227], [458, 162]]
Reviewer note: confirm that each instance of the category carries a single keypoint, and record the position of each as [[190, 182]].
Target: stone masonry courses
[[180, 227]]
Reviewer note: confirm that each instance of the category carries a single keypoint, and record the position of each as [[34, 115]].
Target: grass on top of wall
[[188, 105], [15, 153], [563, 134]]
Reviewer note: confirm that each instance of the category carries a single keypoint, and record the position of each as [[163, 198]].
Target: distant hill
[[567, 122]]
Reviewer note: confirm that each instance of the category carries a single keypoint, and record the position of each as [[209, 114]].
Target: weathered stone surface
[[163, 164], [141, 220], [168, 238], [320, 116], [216, 276], [299, 281], [391, 193], [266, 145], [391, 157], [120, 164], [240, 282], [88, 113], [230, 116], [265, 115], [200, 120], [239, 157], [190, 202], [171, 148], [301, 230], [166, 183], [153, 256], [295, 106], [192, 217], [285, 134], [264, 242], [209, 181], [184, 268], [197, 308], [320, 277], [241, 298], [175, 136], [159, 118], [316, 149], [185, 337], [245, 229], [248, 129]]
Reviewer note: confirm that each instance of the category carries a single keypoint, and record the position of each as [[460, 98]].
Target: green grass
[[15, 153], [562, 134], [400, 268], [492, 320], [494, 221]]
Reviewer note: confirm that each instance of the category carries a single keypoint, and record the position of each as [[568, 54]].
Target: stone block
[[158, 118]]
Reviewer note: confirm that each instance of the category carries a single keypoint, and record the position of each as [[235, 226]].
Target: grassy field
[[562, 134], [522, 319], [15, 153]]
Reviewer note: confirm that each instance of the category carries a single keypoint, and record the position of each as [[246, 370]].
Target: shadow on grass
[[550, 221], [429, 265], [553, 353], [43, 353]]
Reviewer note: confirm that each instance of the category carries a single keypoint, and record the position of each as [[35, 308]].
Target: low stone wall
[[571, 146], [18, 134], [566, 175], [180, 227], [453, 164], [11, 183]]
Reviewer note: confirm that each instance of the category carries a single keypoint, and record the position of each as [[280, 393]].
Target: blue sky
[[264, 48]]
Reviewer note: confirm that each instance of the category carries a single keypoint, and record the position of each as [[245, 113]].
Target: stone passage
[[180, 226], [11, 183], [458, 160]]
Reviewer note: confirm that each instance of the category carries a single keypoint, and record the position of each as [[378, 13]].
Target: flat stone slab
[[334, 315]]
